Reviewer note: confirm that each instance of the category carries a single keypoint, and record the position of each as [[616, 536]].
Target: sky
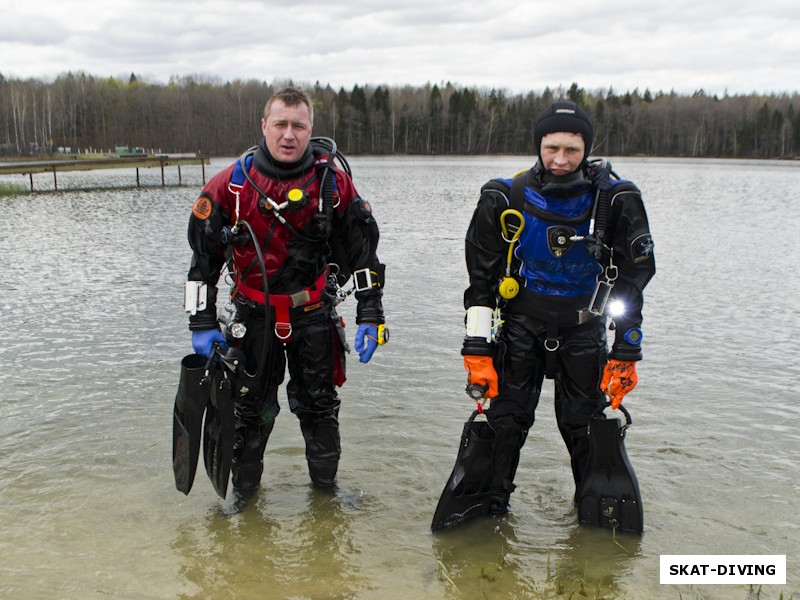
[[722, 47]]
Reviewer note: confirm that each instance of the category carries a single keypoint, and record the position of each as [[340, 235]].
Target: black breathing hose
[[265, 283]]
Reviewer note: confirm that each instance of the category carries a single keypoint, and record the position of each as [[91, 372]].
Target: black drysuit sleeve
[[485, 250], [633, 256], [358, 235], [208, 257]]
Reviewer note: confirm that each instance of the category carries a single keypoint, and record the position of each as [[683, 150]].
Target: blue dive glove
[[366, 341], [203, 340]]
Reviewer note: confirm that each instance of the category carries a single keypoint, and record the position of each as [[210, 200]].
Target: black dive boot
[[253, 428], [246, 478], [322, 450], [508, 443]]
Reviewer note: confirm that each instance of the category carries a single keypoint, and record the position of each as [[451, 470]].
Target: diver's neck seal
[[559, 186], [274, 169]]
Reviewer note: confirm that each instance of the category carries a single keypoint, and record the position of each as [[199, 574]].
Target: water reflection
[[481, 559], [488, 558], [594, 562], [244, 549], [93, 327]]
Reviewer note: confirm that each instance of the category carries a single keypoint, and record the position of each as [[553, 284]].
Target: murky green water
[[93, 330]]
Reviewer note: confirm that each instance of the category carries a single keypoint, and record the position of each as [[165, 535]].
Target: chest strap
[[283, 303]]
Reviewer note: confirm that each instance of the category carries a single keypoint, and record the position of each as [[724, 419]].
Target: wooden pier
[[90, 164]]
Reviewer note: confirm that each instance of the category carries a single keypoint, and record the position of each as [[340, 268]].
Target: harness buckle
[[300, 298]]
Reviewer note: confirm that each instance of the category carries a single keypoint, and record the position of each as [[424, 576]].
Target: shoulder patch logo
[[642, 248], [202, 208]]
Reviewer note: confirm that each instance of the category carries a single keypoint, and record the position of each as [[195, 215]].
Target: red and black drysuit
[[303, 328], [550, 310]]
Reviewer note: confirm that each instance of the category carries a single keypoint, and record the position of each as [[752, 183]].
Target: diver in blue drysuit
[[584, 230]]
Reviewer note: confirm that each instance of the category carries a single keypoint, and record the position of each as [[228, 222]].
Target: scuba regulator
[[509, 286]]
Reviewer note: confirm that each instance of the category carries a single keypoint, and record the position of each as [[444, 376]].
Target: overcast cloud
[[733, 46]]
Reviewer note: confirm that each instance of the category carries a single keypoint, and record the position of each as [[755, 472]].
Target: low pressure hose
[[265, 283]]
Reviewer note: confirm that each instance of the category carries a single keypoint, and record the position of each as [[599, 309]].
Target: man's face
[[287, 131], [562, 152]]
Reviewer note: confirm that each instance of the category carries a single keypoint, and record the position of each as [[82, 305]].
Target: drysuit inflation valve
[[297, 198]]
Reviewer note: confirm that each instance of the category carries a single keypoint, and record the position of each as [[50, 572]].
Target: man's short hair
[[291, 96]]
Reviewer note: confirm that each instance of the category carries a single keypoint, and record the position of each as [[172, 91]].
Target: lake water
[[93, 330]]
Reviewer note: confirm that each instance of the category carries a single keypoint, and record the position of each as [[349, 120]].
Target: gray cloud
[[683, 45]]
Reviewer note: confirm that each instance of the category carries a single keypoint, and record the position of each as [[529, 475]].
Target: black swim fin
[[467, 493], [218, 429], [609, 494], [187, 418]]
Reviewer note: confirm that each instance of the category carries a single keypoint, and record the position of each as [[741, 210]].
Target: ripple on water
[[93, 330]]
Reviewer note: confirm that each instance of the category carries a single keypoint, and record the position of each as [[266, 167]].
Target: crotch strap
[[551, 344]]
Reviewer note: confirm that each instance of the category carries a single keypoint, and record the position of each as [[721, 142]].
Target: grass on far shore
[[11, 189]]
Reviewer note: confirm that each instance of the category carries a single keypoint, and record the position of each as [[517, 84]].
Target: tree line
[[78, 112]]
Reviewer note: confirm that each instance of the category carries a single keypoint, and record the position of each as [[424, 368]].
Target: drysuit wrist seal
[[626, 352], [369, 314], [477, 346]]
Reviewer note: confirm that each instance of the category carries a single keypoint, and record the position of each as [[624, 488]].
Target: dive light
[[616, 308]]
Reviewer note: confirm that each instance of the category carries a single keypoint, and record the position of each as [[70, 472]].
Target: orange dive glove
[[480, 371], [619, 378]]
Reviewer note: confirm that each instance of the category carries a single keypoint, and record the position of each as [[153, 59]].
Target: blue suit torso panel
[[547, 267]]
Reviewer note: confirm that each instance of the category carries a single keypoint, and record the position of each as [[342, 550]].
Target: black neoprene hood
[[565, 116]]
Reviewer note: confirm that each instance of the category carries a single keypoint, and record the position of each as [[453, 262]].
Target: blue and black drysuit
[[546, 329]]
